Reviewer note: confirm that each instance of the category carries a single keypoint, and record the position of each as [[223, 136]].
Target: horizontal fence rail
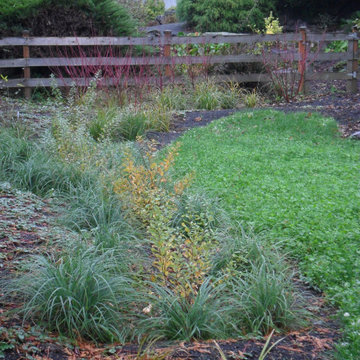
[[163, 58]]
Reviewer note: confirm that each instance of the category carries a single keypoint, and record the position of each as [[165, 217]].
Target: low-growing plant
[[207, 96], [171, 316], [251, 99], [171, 97], [198, 206], [264, 300], [88, 207], [128, 124], [31, 167], [79, 295]]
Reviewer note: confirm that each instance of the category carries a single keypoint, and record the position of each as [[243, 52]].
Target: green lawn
[[292, 177]]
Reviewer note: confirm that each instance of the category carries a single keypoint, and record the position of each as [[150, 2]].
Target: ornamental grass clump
[[80, 294], [173, 317], [31, 167], [264, 299]]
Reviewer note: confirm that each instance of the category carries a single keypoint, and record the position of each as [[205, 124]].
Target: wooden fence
[[163, 56]]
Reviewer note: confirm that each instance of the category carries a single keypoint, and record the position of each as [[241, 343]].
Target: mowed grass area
[[293, 178]]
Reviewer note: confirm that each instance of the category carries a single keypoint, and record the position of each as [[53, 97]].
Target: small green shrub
[[79, 295], [192, 207], [171, 98], [128, 124], [89, 208], [251, 99]]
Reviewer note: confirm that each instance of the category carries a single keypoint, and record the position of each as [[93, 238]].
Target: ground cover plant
[[291, 177]]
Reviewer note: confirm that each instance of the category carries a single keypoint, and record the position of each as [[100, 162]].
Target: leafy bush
[[78, 295], [60, 18], [224, 15], [154, 8]]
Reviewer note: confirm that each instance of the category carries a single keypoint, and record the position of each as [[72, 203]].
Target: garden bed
[[28, 226]]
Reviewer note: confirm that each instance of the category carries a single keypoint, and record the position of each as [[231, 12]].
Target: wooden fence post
[[352, 63], [167, 50], [302, 60], [26, 55]]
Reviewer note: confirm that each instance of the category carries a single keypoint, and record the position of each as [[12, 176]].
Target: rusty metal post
[[302, 59], [167, 50], [353, 61], [26, 55]]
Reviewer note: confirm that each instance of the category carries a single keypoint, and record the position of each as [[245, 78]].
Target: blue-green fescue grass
[[80, 294], [30, 167], [175, 317], [292, 177]]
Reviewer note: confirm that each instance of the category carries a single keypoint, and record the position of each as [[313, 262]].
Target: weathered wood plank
[[326, 36], [326, 76], [113, 61], [328, 56], [159, 60], [148, 40], [47, 82], [161, 40]]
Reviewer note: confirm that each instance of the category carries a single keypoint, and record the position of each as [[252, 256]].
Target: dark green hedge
[[64, 18]]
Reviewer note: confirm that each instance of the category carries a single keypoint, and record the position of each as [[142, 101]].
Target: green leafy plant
[[264, 300], [99, 16], [30, 167], [154, 8], [337, 46], [234, 16], [287, 198]]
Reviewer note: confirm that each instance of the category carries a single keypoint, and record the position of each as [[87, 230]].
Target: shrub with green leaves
[[224, 15], [154, 8], [61, 18]]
